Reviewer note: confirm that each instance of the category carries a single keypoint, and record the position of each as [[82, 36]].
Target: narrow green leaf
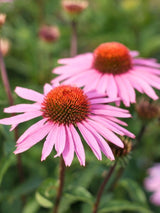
[[134, 190], [121, 205]]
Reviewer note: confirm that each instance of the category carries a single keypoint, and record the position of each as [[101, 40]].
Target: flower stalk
[[61, 184], [73, 51], [11, 102], [102, 187]]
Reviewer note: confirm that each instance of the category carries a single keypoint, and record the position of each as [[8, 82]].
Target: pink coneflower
[[68, 112], [112, 69], [152, 183]]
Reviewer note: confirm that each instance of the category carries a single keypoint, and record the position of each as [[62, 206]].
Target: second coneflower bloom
[[68, 114], [112, 69]]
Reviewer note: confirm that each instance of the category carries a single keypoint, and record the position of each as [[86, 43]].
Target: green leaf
[[134, 190], [121, 205], [5, 163], [26, 187], [43, 201], [46, 192], [75, 194], [31, 206], [80, 194]]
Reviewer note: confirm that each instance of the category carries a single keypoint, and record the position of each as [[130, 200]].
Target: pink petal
[[78, 146], [117, 121], [147, 69], [32, 129], [22, 108], [146, 62], [110, 113], [123, 91], [102, 143], [47, 88], [73, 68], [106, 133], [90, 140], [125, 131], [134, 53], [155, 198], [92, 81], [33, 138], [103, 100], [150, 78], [109, 107], [61, 140], [133, 82], [77, 59], [145, 86], [130, 89], [108, 125], [112, 90], [81, 78], [20, 118], [49, 143], [29, 94], [102, 84], [94, 94], [68, 152]]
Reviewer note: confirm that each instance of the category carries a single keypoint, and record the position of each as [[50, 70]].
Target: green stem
[[102, 187], [11, 102], [61, 184]]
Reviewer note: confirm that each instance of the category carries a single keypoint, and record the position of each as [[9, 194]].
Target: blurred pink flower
[[68, 112], [152, 183], [111, 69], [3, 1]]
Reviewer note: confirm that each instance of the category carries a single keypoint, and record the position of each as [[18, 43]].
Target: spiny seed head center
[[112, 57], [66, 105]]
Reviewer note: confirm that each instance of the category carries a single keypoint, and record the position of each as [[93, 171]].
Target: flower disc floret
[[112, 57], [65, 105]]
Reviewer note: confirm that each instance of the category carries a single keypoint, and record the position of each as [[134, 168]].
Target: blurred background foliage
[[29, 63]]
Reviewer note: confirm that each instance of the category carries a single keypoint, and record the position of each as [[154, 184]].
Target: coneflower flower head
[[111, 69], [67, 114]]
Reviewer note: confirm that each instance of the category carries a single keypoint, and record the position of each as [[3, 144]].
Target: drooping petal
[[122, 91], [102, 143], [61, 140], [102, 84], [112, 90], [49, 143], [145, 86], [130, 89], [78, 146], [31, 129], [77, 59], [106, 133], [29, 94], [110, 113], [33, 138], [68, 152], [90, 140], [20, 118], [22, 108], [145, 62]]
